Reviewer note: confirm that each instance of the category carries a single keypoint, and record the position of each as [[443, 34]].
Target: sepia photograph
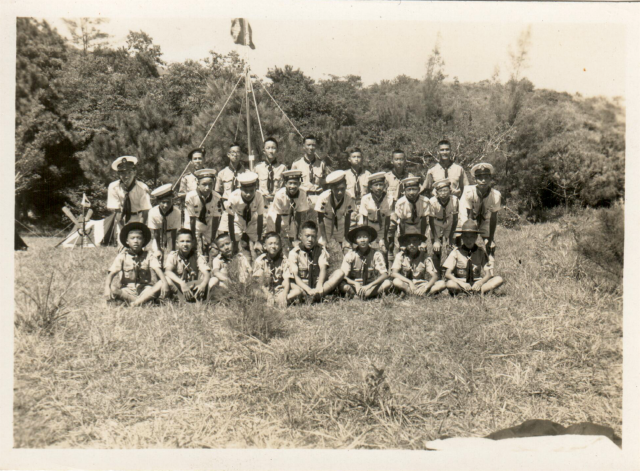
[[237, 231]]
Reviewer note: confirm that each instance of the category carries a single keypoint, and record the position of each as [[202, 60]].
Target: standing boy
[[228, 177], [395, 189], [334, 208], [412, 210], [445, 169], [203, 208], [357, 177], [272, 267], [128, 197], [187, 271], [270, 172], [375, 211], [443, 220], [413, 271], [135, 265], [313, 170], [288, 209], [164, 222], [190, 182]]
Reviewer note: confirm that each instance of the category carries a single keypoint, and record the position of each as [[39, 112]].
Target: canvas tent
[[98, 232], [19, 244]]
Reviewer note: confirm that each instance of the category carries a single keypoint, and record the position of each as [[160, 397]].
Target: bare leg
[[381, 288], [438, 287], [401, 285], [333, 281], [294, 293], [148, 294], [492, 284], [453, 287]]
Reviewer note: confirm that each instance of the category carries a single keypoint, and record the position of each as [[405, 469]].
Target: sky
[[585, 58]]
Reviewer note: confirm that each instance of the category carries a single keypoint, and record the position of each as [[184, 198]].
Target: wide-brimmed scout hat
[[351, 236], [442, 183], [197, 150], [376, 177], [163, 191], [404, 239], [124, 162], [205, 173], [411, 181], [289, 174], [482, 168], [470, 226], [135, 226], [335, 177], [247, 178]]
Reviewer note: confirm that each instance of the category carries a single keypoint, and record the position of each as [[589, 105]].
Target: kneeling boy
[[466, 264], [135, 267], [186, 270], [364, 268], [413, 271], [272, 268]]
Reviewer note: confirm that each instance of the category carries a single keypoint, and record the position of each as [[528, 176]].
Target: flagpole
[[246, 91]]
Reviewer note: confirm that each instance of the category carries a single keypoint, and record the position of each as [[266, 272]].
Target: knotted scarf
[[270, 179], [126, 204], [202, 217], [357, 190], [468, 253], [480, 215], [164, 225]]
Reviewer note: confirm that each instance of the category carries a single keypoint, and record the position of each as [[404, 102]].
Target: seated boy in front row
[[186, 270], [220, 264], [135, 267], [466, 263], [308, 265], [272, 268], [363, 269], [413, 271]]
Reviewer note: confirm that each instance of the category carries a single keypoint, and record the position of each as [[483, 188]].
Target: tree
[[85, 33]]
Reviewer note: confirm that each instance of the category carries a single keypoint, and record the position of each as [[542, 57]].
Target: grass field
[[390, 373]]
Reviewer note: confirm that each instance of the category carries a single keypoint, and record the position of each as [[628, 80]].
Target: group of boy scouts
[[274, 225]]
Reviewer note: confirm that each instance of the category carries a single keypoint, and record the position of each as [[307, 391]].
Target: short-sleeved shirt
[[362, 179], [188, 183], [458, 258], [403, 213], [353, 261], [262, 169], [418, 268], [221, 263], [395, 189], [331, 215], [287, 207], [188, 269], [227, 180], [277, 270], [139, 197], [372, 211], [443, 215], [155, 219], [312, 174], [193, 206], [455, 174], [471, 205], [135, 269], [235, 206], [299, 262]]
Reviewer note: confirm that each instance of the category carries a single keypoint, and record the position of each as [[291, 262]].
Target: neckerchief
[[270, 181], [365, 265], [357, 190], [444, 204], [468, 253], [378, 204], [126, 204], [446, 169], [202, 217], [292, 206], [246, 212], [411, 258], [272, 265], [235, 170], [188, 273], [313, 256], [414, 209], [480, 216], [400, 178], [136, 264], [336, 207], [164, 224]]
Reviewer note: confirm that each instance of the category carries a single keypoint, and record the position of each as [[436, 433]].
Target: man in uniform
[[164, 222], [357, 177], [270, 172], [313, 170], [375, 211], [228, 177], [395, 189], [203, 210], [445, 169], [334, 208], [288, 209], [190, 182]]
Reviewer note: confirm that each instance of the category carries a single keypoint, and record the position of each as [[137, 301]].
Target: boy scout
[[288, 209], [395, 189], [364, 270], [445, 169], [357, 177], [481, 203], [413, 271], [313, 170], [190, 182], [308, 263], [203, 210], [466, 263], [135, 266], [412, 210], [187, 271], [334, 208], [443, 220], [164, 222], [228, 177], [128, 197], [272, 268], [375, 210], [220, 264], [270, 172]]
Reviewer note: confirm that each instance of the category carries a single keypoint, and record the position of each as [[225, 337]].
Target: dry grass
[[390, 373]]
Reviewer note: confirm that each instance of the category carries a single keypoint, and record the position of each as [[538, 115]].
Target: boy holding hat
[[395, 188], [364, 270], [443, 220], [466, 263], [412, 210], [334, 207], [357, 177], [289, 207], [164, 222], [272, 267], [481, 203], [445, 169], [270, 172], [187, 271], [203, 210], [135, 266], [375, 210], [128, 196], [413, 271], [190, 182], [227, 180]]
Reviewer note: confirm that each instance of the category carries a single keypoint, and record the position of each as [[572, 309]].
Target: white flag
[[85, 202]]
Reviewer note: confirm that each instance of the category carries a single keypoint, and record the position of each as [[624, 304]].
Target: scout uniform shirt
[[410, 214], [277, 270], [194, 206], [135, 270], [337, 218], [188, 183], [307, 264], [221, 263], [395, 189], [375, 212], [188, 269], [312, 175], [443, 215], [357, 184], [467, 264], [138, 196], [245, 216], [269, 178], [157, 221], [287, 207], [363, 268], [418, 268], [473, 206], [227, 180], [455, 174]]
